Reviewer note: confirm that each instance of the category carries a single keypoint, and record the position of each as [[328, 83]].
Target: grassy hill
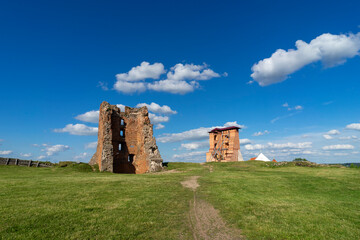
[[265, 202]]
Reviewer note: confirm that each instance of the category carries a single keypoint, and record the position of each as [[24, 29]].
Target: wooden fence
[[19, 162]]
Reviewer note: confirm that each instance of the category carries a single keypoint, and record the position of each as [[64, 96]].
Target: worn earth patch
[[205, 221]]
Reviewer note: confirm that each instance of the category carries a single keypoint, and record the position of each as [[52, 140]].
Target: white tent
[[262, 157]]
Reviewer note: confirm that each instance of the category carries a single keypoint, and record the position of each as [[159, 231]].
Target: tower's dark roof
[[223, 129]]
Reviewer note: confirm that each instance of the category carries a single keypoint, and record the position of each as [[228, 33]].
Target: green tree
[[300, 160]]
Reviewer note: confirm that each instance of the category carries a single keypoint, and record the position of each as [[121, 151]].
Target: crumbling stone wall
[[125, 141]]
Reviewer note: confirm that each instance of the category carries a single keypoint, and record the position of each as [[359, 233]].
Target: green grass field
[[264, 202]]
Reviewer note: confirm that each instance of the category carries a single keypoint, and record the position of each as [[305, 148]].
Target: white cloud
[[103, 86], [330, 49], [195, 145], [81, 156], [300, 145], [353, 126], [181, 79], [142, 72], [41, 157], [121, 106], [289, 146], [54, 149], [91, 145], [231, 124], [338, 147], [193, 134], [181, 72], [25, 154], [261, 133], [307, 152], [329, 134], [171, 86], [245, 141], [129, 87], [155, 119], [78, 129], [286, 116], [297, 107], [328, 137], [251, 147], [348, 137], [341, 154], [178, 77], [91, 116], [156, 108], [190, 156], [6, 152], [333, 132], [159, 126]]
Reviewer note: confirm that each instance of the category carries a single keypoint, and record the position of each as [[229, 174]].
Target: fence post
[[29, 163], [7, 161], [16, 161], [37, 164]]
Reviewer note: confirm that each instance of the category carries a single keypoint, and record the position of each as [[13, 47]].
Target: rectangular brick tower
[[224, 145], [125, 141]]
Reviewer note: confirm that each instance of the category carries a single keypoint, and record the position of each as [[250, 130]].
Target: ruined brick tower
[[224, 145], [125, 141]]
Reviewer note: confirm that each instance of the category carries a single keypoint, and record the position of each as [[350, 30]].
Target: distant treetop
[[300, 160]]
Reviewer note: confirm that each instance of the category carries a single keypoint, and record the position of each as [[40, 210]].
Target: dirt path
[[205, 220]]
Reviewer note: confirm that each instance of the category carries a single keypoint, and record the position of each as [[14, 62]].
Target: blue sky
[[202, 63]]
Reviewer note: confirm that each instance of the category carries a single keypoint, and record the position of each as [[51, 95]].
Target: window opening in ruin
[[131, 158], [215, 136], [122, 122], [121, 133], [119, 146]]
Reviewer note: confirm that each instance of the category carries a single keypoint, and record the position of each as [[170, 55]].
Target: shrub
[[65, 164], [80, 167], [95, 168], [300, 160], [353, 165]]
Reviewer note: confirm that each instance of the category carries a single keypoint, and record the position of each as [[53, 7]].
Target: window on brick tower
[[121, 133], [119, 146], [122, 122], [215, 136]]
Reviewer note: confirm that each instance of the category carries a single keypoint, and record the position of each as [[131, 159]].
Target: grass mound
[[79, 167]]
